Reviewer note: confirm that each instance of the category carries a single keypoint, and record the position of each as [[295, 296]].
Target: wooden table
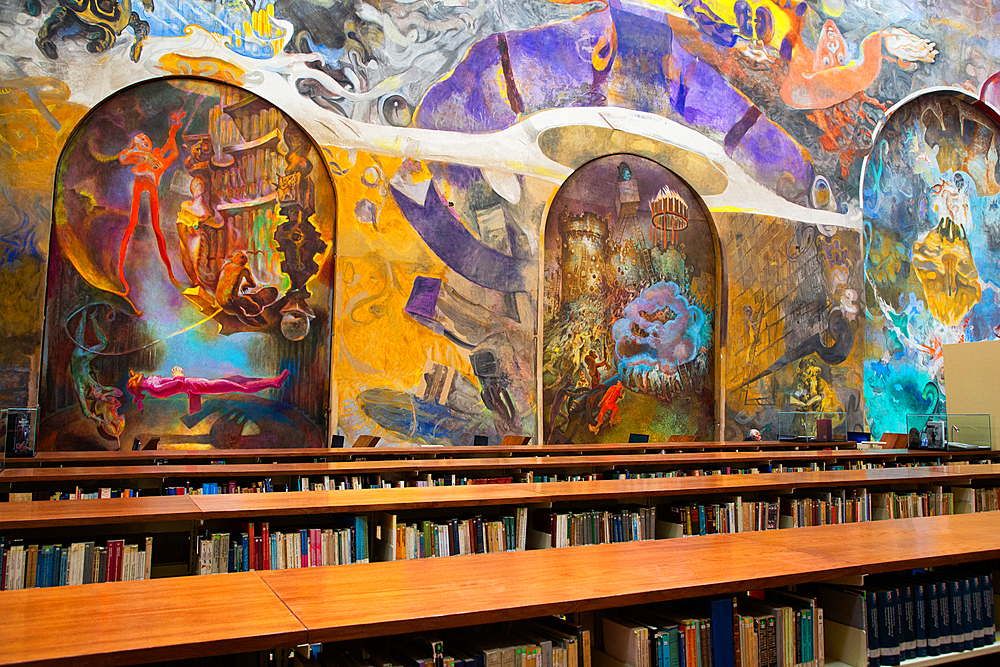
[[254, 506], [129, 457], [498, 466], [127, 622], [137, 621]]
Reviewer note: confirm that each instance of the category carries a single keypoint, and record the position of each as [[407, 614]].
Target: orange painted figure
[[149, 165], [825, 78], [609, 402]]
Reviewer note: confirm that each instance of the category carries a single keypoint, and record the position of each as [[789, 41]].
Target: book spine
[[920, 619], [908, 620], [978, 634], [874, 650], [958, 637], [989, 621]]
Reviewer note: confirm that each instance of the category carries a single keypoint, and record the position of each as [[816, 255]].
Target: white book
[[206, 557], [78, 551], [20, 561]]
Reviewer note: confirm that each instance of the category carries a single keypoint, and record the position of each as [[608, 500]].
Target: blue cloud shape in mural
[[661, 329]]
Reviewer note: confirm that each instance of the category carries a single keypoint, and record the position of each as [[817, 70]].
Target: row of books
[[454, 537], [35, 566], [77, 494], [732, 514], [216, 488], [826, 508], [544, 642], [775, 629], [893, 505], [262, 549], [903, 616], [570, 529]]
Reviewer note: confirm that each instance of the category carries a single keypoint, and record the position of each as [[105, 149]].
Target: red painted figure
[[609, 402], [149, 165], [161, 387]]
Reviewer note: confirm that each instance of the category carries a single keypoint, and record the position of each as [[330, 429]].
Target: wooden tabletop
[[103, 511], [586, 463], [125, 622], [252, 506], [145, 456], [137, 621], [448, 592]]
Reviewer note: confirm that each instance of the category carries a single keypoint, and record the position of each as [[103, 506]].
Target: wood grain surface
[[252, 506], [499, 466], [138, 621]]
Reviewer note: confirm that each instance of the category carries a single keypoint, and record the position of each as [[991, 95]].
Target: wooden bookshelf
[[145, 457], [254, 506], [127, 622], [581, 464]]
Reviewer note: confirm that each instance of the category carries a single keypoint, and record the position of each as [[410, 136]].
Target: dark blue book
[[245, 541], [989, 621], [969, 633], [976, 588], [960, 641], [944, 617], [44, 572], [920, 618], [63, 562], [887, 601], [232, 559], [908, 622], [874, 642], [723, 648], [56, 562]]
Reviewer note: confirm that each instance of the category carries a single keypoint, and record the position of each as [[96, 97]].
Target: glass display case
[[18, 428], [812, 426], [958, 431]]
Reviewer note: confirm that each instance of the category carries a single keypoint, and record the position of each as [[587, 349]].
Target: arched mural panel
[[630, 306], [190, 276], [932, 267]]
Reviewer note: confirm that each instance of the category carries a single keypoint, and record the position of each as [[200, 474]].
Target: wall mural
[[630, 295], [448, 129], [932, 270], [794, 341], [189, 289]]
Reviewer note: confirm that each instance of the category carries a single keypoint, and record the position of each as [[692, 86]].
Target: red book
[[114, 572], [265, 534], [315, 546], [258, 548], [304, 547]]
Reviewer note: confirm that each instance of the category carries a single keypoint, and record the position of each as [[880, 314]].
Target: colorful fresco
[[794, 341], [932, 270], [190, 274], [447, 128], [630, 303]]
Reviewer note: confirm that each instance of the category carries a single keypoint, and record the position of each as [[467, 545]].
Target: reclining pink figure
[[162, 387]]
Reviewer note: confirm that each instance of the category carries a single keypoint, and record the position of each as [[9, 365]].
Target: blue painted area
[[171, 19]]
